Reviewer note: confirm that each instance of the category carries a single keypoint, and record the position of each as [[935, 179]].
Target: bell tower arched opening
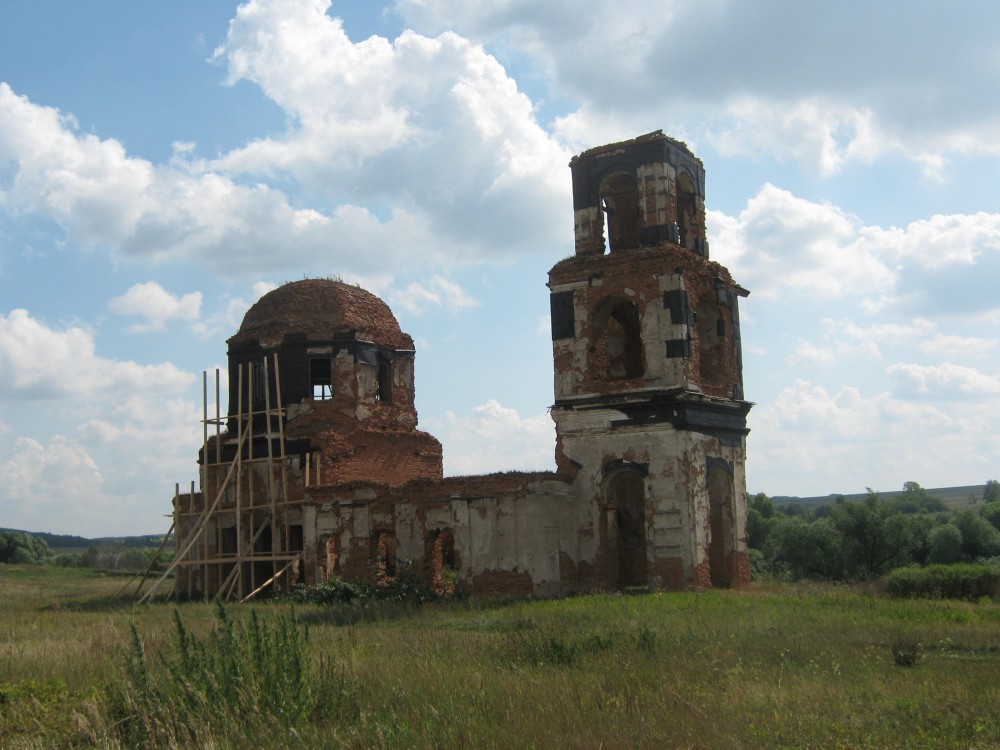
[[618, 348], [619, 195]]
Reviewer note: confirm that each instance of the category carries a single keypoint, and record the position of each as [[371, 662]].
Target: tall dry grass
[[777, 667]]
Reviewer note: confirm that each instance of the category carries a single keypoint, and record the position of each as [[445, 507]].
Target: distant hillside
[[64, 542], [954, 497]]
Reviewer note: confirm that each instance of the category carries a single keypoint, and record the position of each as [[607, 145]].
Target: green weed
[[242, 677]]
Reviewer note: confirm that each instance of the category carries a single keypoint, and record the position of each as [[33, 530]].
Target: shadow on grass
[[92, 604], [352, 613]]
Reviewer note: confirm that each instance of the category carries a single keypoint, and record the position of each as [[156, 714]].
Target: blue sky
[[162, 165]]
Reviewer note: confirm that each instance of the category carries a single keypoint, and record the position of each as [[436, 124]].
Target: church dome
[[319, 308]]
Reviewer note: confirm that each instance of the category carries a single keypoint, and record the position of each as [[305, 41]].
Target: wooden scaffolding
[[234, 539]]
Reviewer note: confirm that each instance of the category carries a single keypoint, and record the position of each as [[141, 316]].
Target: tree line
[[843, 541], [850, 541], [23, 548]]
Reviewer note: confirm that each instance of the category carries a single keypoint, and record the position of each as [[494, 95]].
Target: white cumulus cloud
[[782, 244], [158, 306], [38, 362], [943, 381], [38, 481], [437, 292], [497, 438], [841, 438], [819, 83]]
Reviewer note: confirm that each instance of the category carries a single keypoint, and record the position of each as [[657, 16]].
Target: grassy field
[[787, 666]]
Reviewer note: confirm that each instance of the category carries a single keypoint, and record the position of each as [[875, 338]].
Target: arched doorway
[[625, 494], [723, 544]]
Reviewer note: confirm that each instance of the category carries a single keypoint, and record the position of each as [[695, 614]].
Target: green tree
[[89, 557], [805, 549], [23, 549], [945, 544], [991, 513], [919, 527], [915, 499], [760, 515], [979, 538], [876, 536], [992, 491]]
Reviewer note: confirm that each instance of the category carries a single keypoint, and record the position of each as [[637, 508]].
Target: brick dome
[[319, 308]]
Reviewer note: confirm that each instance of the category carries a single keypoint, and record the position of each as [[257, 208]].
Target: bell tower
[[649, 407]]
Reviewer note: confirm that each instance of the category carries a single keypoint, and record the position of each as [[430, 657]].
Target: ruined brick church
[[318, 470]]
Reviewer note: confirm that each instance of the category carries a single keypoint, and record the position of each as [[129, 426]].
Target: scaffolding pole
[[223, 565]]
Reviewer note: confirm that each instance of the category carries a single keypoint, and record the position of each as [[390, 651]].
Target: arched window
[[618, 349], [620, 203]]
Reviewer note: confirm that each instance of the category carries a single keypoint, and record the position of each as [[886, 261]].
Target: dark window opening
[[620, 204], [678, 348], [563, 319], [227, 540], [263, 570], [321, 378], [296, 542], [384, 392], [386, 547], [257, 384]]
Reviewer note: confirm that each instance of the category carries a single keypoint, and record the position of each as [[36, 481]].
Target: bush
[[68, 560], [404, 588], [962, 581], [905, 650], [333, 591]]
